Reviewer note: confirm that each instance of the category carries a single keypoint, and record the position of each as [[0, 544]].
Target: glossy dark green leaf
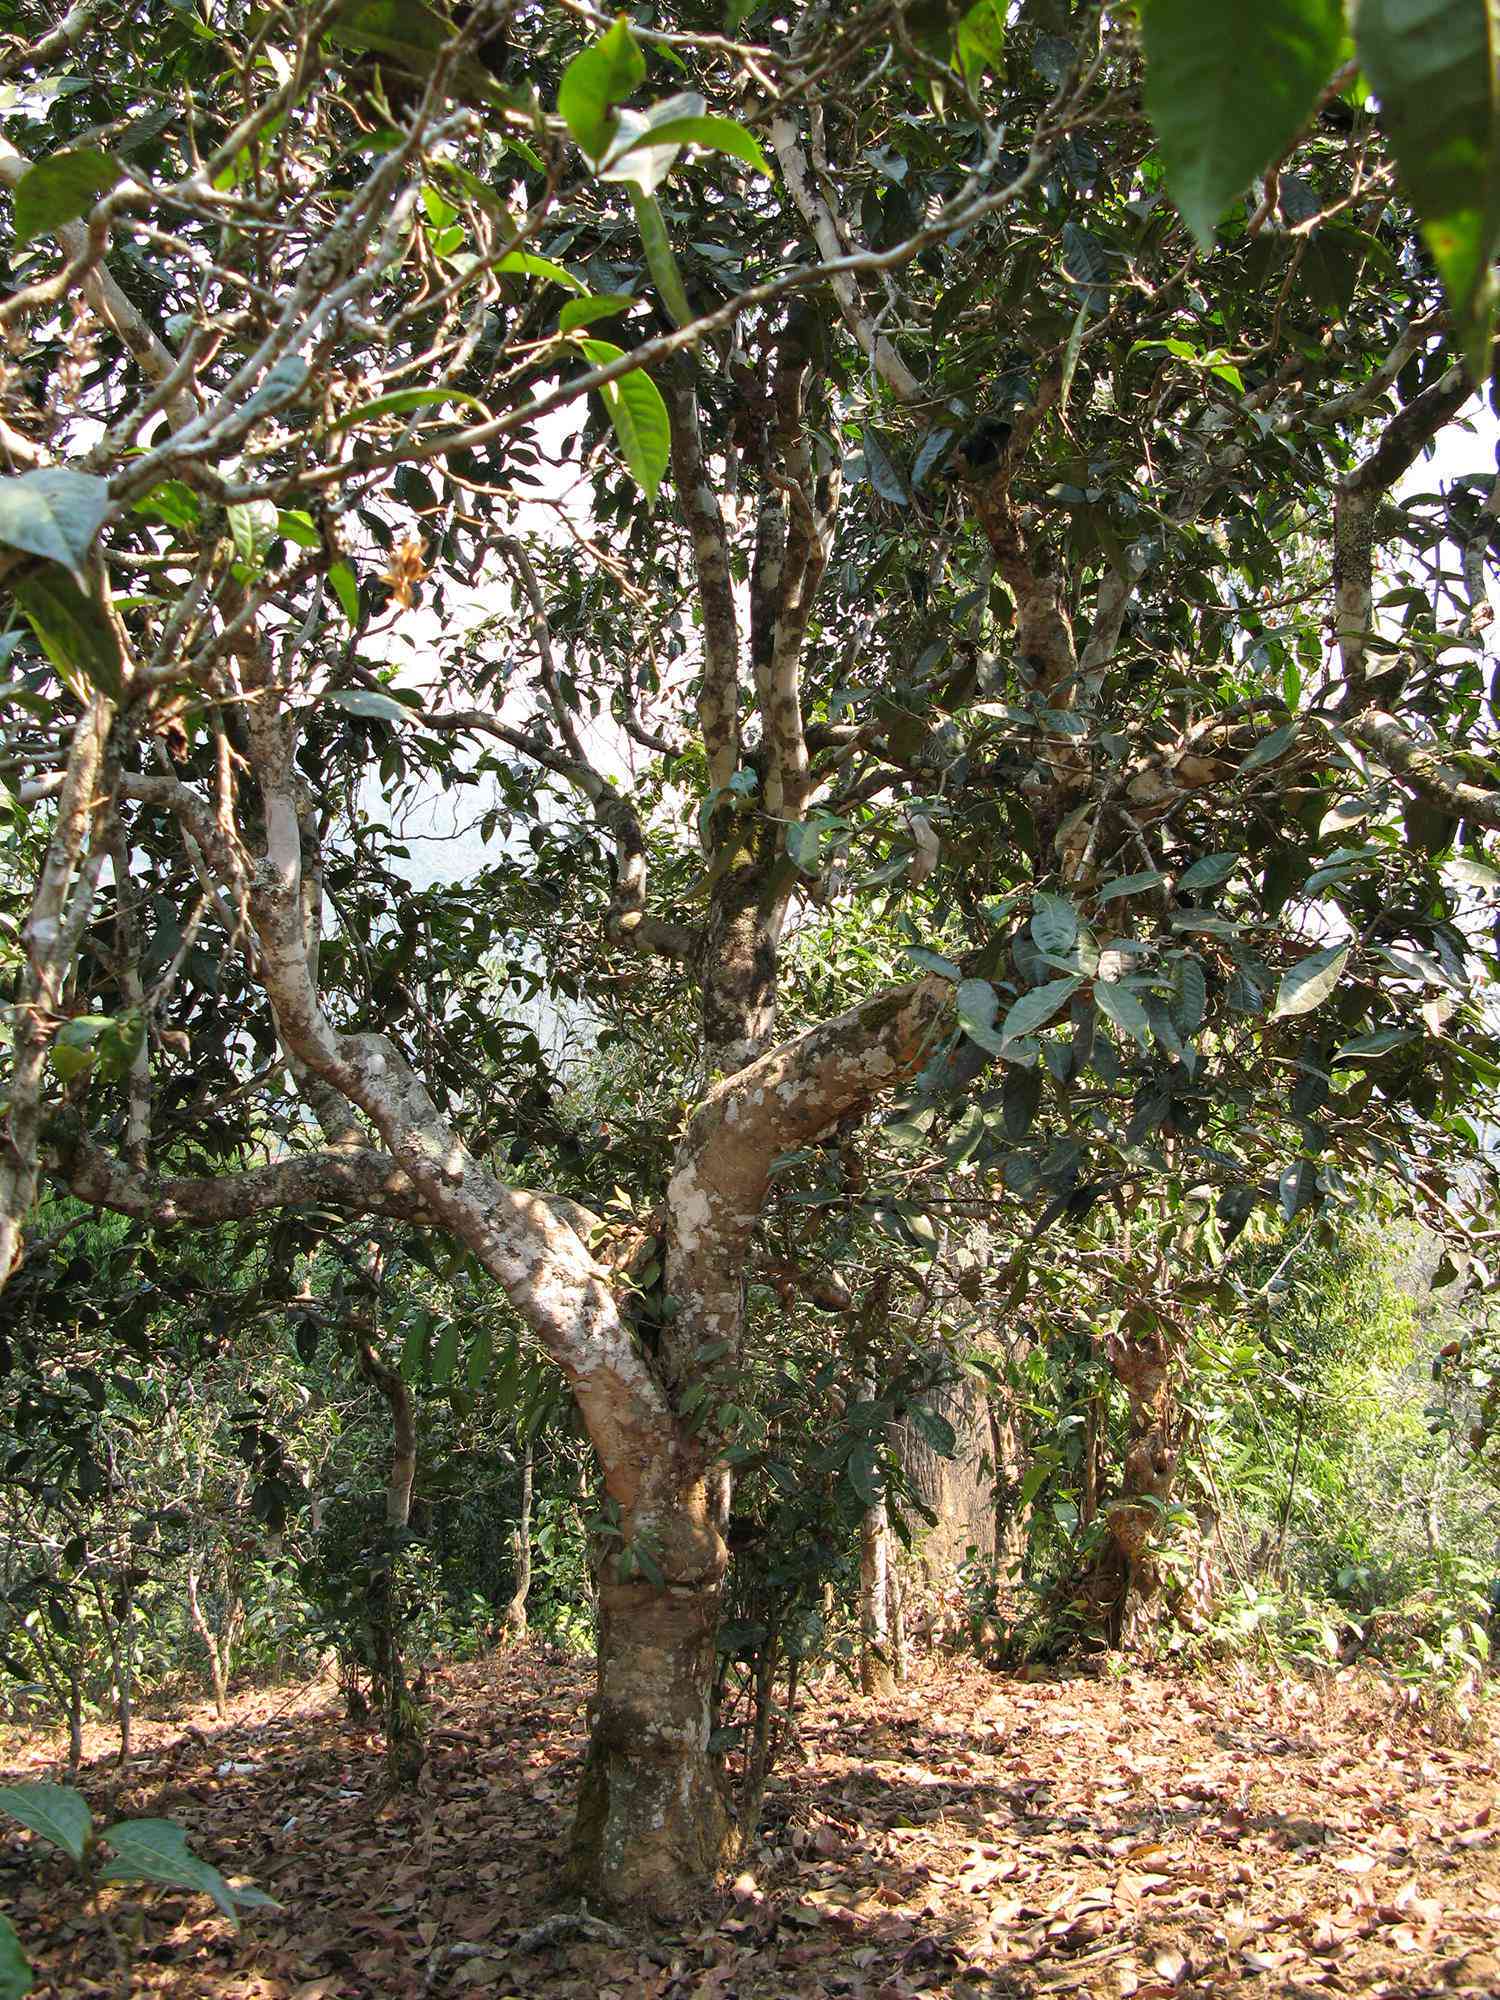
[[884, 474], [1270, 747], [1435, 66], [60, 189], [74, 632], [864, 1475], [1131, 885], [156, 1850], [56, 1812], [16, 1976], [1054, 924], [1310, 981], [1119, 1005], [445, 1354], [1229, 85], [934, 1428], [53, 512], [1208, 872], [1034, 1009]]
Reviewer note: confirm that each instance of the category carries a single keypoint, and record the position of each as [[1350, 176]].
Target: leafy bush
[[132, 1850]]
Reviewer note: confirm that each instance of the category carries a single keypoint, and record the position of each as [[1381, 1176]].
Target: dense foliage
[[979, 744]]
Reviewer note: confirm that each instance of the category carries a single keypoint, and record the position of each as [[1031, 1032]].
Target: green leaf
[[53, 513], [539, 267], [59, 190], [884, 474], [156, 1850], [252, 528], [804, 843], [1380, 1043], [638, 415], [1120, 1005], [399, 401], [16, 1976], [934, 1428], [1208, 871], [413, 36], [56, 1812], [445, 1354], [294, 525], [583, 312], [369, 703], [1270, 747], [636, 155], [933, 961], [660, 261], [1435, 66], [713, 135], [977, 1003], [172, 503], [481, 1357], [1310, 981], [980, 38], [864, 1475], [1131, 885], [1054, 924], [345, 588], [1229, 86], [74, 632], [1034, 1009], [72, 1051], [596, 82]]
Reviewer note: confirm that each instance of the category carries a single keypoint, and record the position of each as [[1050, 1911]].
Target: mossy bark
[[653, 1822]]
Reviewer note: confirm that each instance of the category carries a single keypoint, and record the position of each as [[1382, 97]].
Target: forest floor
[[1147, 1835]]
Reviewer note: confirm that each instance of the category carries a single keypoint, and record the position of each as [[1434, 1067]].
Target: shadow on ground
[[975, 1836]]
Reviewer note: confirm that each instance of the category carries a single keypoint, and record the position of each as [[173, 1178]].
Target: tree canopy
[[981, 723]]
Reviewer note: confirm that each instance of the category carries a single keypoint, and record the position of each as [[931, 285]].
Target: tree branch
[[353, 1180], [1423, 771], [832, 236], [719, 696], [1357, 498]]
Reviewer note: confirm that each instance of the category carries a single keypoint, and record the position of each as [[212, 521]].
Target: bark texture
[[652, 1821]]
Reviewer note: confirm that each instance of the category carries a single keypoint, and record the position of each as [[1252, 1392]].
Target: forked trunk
[[653, 1820]]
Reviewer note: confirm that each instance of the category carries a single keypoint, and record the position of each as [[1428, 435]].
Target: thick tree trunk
[[515, 1611], [959, 1490], [653, 1820]]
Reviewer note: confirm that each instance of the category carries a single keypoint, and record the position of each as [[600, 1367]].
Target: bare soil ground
[[1147, 1836]]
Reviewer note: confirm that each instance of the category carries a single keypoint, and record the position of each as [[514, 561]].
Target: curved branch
[[354, 1180], [779, 1102]]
